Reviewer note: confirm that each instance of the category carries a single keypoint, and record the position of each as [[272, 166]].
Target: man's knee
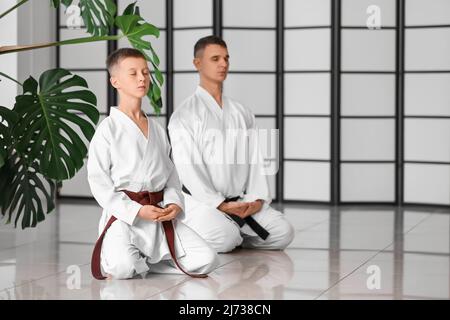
[[282, 235], [226, 238], [217, 230]]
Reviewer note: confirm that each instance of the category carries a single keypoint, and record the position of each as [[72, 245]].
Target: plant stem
[[11, 9], [11, 49], [8, 77]]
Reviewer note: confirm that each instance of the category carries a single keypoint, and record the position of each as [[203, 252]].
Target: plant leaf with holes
[[57, 3], [133, 26], [98, 15], [47, 116], [22, 190], [8, 118]]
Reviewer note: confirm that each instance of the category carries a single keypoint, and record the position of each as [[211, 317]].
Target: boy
[[133, 179], [227, 202]]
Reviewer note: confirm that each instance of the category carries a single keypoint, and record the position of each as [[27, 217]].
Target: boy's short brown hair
[[115, 57]]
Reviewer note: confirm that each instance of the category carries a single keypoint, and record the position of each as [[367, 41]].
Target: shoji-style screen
[[368, 102], [307, 100], [427, 102], [88, 61], [249, 28], [191, 21], [363, 113]]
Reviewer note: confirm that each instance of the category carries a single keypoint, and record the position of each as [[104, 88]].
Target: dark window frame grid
[[335, 73]]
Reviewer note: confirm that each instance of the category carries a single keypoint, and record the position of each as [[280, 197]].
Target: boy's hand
[[171, 211], [152, 213]]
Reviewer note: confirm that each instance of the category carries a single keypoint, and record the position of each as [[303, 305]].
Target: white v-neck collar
[[211, 102], [130, 122]]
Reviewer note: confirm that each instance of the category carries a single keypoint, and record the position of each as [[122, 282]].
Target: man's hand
[[253, 207], [233, 207], [152, 213], [241, 209], [172, 210]]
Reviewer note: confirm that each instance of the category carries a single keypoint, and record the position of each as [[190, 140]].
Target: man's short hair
[[205, 41], [118, 55]]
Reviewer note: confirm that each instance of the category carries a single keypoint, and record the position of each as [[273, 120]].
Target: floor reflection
[[329, 259]]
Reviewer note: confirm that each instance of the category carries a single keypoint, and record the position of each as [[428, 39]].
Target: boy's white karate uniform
[[199, 131], [121, 158]]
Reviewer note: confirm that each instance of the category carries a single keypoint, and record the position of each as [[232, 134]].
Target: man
[[227, 202]]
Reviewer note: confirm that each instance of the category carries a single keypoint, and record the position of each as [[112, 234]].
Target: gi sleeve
[[191, 168], [102, 187], [257, 186], [172, 190]]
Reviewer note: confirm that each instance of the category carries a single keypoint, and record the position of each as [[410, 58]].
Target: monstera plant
[[39, 146]]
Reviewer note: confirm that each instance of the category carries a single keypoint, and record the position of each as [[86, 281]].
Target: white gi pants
[[124, 253], [223, 234]]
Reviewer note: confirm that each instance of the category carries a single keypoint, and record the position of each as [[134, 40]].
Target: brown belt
[[144, 198]]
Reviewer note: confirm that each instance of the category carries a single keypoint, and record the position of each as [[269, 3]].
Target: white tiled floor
[[329, 259]]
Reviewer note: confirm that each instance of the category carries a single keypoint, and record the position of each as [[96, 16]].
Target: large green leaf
[[98, 15], [22, 190], [8, 118], [57, 3], [44, 131], [133, 26]]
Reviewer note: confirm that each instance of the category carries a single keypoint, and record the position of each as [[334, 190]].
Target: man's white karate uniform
[[122, 158], [205, 137]]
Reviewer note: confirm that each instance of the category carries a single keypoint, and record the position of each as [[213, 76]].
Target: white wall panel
[[307, 138], [306, 181], [427, 94], [368, 95], [192, 13], [427, 139], [184, 41], [426, 12], [251, 50], [307, 49], [184, 86], [427, 183], [307, 93], [86, 55], [307, 13], [354, 12], [367, 182], [427, 49], [372, 50], [256, 92], [249, 13], [367, 139], [98, 82]]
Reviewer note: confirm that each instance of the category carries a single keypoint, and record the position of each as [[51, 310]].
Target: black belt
[[255, 226]]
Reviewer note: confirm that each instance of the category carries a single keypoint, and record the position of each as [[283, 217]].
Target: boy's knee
[[211, 260], [122, 269]]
